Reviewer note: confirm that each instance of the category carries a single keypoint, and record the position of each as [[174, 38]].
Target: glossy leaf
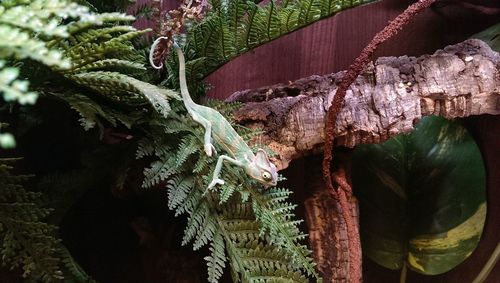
[[491, 36], [422, 197]]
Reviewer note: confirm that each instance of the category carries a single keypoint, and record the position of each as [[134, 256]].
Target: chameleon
[[257, 165]]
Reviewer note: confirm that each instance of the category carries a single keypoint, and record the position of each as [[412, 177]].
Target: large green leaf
[[422, 197], [491, 36]]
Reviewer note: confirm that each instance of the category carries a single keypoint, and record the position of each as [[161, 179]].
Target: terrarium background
[[330, 46], [100, 235]]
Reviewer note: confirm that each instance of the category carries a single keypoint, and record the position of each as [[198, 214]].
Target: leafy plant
[[92, 62], [251, 228], [422, 197], [234, 27], [25, 29], [78, 57], [27, 241], [491, 36]]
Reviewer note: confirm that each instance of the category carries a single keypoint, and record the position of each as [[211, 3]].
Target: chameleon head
[[262, 170]]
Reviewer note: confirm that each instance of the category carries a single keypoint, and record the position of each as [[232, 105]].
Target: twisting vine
[[352, 73]]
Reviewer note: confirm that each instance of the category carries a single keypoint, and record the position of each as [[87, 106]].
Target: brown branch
[[387, 99], [353, 72], [328, 232]]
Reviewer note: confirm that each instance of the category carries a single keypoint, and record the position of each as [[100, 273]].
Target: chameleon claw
[[209, 149], [215, 182]]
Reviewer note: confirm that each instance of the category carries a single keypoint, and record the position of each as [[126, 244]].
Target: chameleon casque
[[217, 127]]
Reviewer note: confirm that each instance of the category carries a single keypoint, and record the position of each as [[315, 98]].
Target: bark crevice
[[387, 99]]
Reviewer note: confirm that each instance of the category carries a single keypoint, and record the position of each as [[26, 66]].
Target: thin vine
[[352, 73]]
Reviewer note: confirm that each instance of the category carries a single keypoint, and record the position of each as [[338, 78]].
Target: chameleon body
[[217, 127]]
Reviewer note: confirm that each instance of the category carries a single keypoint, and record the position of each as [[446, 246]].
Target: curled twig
[[170, 24]]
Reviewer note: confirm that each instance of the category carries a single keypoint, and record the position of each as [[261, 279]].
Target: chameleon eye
[[266, 176]]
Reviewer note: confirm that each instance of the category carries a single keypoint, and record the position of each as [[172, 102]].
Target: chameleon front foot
[[209, 149], [214, 182]]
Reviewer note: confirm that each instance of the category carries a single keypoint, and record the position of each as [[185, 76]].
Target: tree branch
[[387, 99]]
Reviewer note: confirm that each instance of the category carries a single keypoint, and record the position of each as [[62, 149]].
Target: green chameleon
[[217, 127]]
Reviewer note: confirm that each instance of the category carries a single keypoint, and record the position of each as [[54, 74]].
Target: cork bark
[[387, 99], [329, 237]]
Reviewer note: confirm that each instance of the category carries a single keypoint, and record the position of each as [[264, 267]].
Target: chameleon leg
[[208, 146], [218, 167]]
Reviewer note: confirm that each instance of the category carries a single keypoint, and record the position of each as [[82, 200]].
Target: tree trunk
[[388, 99], [328, 234]]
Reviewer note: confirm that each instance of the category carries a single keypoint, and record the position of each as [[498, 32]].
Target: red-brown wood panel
[[332, 44]]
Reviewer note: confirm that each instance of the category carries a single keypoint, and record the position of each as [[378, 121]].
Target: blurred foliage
[[422, 197]]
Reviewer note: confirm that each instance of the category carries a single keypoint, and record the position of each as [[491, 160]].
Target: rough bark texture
[[387, 99], [328, 234]]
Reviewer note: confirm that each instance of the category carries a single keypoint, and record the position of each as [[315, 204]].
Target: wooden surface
[[386, 100], [332, 44]]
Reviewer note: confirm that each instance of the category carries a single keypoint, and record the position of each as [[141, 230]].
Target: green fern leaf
[[226, 193], [89, 110], [217, 258], [195, 221], [178, 190], [113, 84], [73, 268], [157, 172], [235, 27], [25, 240], [188, 146], [310, 11], [14, 89], [275, 221]]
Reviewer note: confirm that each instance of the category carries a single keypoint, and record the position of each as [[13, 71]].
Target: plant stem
[[353, 72], [404, 271], [488, 267]]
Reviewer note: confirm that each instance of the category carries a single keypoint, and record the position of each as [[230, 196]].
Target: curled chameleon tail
[[217, 127]]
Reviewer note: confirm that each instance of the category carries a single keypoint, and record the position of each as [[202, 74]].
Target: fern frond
[[274, 217], [120, 87], [216, 261], [225, 193], [201, 164], [187, 147], [178, 190], [73, 268], [89, 110], [310, 11], [42, 16], [14, 89], [26, 241], [157, 172], [235, 27], [144, 148], [253, 255], [114, 17], [110, 64], [257, 228]]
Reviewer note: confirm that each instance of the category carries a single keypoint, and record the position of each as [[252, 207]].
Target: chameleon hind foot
[[209, 149], [214, 182]]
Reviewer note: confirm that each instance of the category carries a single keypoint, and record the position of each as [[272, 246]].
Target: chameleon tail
[[188, 102], [152, 51]]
